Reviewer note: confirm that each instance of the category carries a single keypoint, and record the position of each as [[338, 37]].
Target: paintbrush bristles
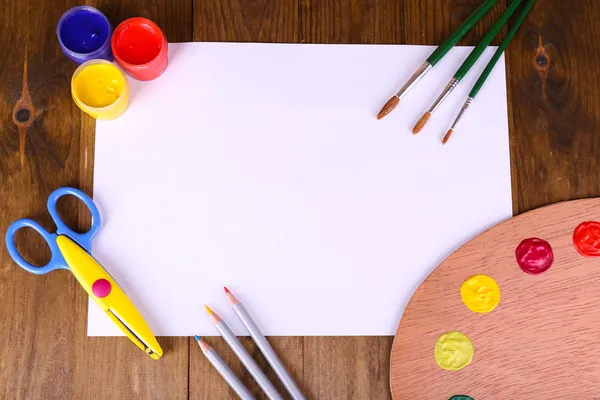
[[421, 124], [388, 107], [447, 136]]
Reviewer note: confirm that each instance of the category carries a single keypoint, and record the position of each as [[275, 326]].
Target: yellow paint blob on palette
[[480, 293], [453, 351], [512, 314]]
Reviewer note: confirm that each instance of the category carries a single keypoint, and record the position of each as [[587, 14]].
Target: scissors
[[71, 250]]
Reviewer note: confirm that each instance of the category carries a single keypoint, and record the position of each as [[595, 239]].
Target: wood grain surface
[[543, 339], [554, 110]]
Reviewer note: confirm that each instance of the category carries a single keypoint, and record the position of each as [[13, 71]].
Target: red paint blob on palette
[[586, 239], [534, 255]]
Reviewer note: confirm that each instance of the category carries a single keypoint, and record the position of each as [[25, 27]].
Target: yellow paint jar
[[100, 89]]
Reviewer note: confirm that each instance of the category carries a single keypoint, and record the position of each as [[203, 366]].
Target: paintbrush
[[436, 56], [468, 64], [488, 69]]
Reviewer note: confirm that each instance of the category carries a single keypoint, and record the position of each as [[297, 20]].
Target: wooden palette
[[543, 339]]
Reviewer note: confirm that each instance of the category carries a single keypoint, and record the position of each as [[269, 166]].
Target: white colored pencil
[[244, 357], [222, 368], [265, 347]]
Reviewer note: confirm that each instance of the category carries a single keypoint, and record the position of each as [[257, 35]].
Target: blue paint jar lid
[[84, 33]]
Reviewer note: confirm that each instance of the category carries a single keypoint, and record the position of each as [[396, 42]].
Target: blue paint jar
[[84, 34]]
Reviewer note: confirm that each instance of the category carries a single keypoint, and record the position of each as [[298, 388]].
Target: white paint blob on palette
[[262, 167]]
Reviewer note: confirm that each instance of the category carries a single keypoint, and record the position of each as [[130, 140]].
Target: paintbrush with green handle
[[436, 56], [468, 63], [488, 69]]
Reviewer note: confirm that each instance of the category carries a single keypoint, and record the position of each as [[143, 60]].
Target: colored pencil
[[265, 347], [436, 56], [468, 64], [488, 69], [222, 368], [244, 356]]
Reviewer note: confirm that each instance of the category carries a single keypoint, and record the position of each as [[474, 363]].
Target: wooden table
[[554, 111]]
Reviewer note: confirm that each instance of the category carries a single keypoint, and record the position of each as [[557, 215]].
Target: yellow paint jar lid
[[100, 89]]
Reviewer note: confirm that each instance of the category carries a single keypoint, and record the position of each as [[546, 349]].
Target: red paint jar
[[140, 48]]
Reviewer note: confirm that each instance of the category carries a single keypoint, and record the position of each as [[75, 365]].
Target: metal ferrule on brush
[[417, 76], [449, 88], [462, 111]]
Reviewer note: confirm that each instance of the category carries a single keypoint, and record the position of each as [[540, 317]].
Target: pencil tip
[[231, 297], [226, 290], [388, 107], [215, 318], [447, 136], [421, 123], [203, 346]]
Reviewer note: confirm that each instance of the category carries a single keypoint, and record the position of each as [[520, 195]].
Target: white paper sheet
[[262, 167]]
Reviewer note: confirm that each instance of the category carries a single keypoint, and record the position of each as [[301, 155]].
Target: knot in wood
[[22, 115]]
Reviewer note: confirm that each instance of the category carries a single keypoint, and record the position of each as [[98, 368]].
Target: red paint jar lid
[[140, 48]]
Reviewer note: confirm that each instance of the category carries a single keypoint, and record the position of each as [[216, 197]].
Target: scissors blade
[[109, 296], [154, 353], [131, 321]]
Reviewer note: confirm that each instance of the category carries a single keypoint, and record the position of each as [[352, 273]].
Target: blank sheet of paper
[[262, 167]]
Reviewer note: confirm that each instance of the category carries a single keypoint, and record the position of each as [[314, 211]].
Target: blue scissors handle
[[83, 239], [57, 261]]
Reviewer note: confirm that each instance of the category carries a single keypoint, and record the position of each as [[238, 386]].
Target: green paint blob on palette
[[544, 314]]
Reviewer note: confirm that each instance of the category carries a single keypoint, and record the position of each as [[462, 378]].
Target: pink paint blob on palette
[[546, 264], [534, 256]]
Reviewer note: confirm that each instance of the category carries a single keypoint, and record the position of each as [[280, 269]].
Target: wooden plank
[[520, 346], [358, 368], [554, 104], [244, 21], [35, 311], [351, 22], [115, 360], [554, 152], [174, 17], [349, 367], [206, 383], [46, 354], [333, 22], [430, 22]]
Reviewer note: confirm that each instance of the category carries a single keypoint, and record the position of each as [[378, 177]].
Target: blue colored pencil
[[222, 368]]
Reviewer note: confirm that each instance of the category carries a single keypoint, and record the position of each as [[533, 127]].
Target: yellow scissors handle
[[105, 292]]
